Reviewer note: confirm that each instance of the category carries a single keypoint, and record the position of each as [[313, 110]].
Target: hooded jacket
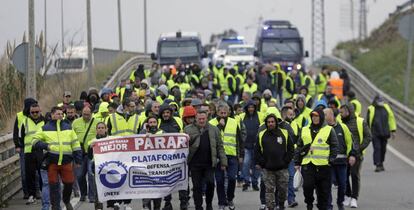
[[274, 149], [351, 122], [28, 102], [252, 123], [171, 125], [302, 150]]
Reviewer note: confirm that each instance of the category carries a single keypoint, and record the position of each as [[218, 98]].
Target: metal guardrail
[[10, 182], [404, 115], [403, 7]]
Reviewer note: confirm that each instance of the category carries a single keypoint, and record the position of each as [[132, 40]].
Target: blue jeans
[[291, 189], [23, 172], [45, 190], [340, 174], [248, 164], [231, 173], [86, 188]]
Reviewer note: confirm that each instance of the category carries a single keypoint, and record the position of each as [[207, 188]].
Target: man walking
[[346, 153], [361, 135], [381, 120], [206, 148], [58, 138], [317, 148], [233, 147], [274, 151]]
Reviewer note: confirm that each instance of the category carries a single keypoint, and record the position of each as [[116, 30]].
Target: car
[[222, 46], [239, 54]]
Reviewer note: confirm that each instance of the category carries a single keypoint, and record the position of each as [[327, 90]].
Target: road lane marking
[[400, 155]]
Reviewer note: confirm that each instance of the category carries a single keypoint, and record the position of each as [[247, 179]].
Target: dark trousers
[[339, 173], [182, 195], [223, 194], [146, 203], [32, 171], [316, 178], [354, 180], [202, 176], [380, 147]]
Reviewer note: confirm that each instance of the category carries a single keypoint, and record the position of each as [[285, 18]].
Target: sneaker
[[341, 208], [347, 201], [256, 188], [354, 203], [68, 206], [262, 207], [378, 168], [231, 206], [31, 200], [167, 206], [127, 207], [245, 187], [117, 206], [293, 204]]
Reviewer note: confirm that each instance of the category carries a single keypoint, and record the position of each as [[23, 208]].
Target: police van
[[278, 41], [185, 46]]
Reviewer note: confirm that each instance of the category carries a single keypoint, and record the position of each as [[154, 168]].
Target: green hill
[[382, 57]]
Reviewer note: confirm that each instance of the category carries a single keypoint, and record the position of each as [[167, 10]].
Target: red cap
[[189, 111]]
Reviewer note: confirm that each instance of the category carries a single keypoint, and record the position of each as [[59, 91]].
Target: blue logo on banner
[[112, 174]]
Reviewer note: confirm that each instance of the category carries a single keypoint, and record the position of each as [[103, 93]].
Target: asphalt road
[[389, 190]]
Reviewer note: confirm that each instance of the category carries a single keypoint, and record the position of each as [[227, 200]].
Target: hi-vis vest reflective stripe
[[285, 134], [311, 87], [229, 135], [250, 89], [119, 125], [323, 82], [357, 106], [391, 119], [30, 129], [320, 154], [61, 142], [287, 93]]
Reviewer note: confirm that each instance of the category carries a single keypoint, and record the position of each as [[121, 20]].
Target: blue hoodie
[[252, 125]]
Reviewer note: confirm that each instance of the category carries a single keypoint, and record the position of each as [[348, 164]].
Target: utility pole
[[352, 23], [31, 67], [362, 20], [45, 49], [91, 78], [318, 29], [62, 27], [120, 26], [145, 28]]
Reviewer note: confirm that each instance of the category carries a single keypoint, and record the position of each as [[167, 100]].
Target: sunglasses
[[35, 112]]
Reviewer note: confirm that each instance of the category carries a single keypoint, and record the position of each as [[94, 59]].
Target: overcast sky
[[204, 16]]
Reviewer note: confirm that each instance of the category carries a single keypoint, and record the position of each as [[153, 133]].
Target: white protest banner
[[140, 166]]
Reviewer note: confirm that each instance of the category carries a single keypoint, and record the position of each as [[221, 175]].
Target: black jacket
[[275, 152], [252, 123]]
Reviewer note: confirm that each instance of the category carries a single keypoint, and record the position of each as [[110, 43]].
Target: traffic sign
[[21, 54], [406, 26]]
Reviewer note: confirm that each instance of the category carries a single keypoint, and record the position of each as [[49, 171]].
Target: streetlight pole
[[91, 79], [31, 67], [145, 28], [62, 27], [120, 26]]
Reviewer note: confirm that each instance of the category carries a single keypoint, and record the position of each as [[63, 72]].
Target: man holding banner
[[206, 148]]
